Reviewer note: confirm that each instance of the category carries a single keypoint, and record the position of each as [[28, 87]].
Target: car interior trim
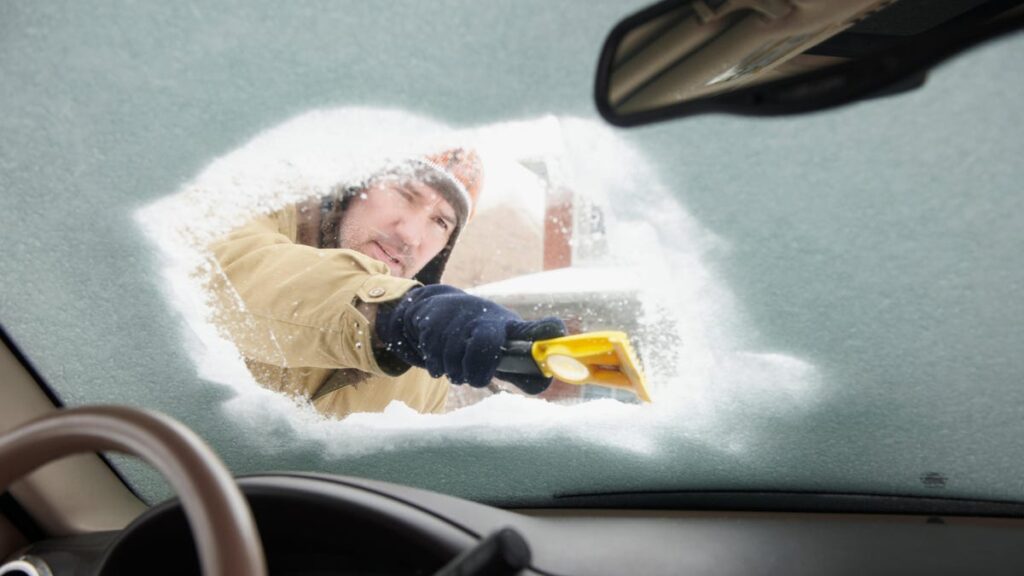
[[794, 501], [110, 505]]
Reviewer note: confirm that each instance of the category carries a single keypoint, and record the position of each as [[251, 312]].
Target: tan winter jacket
[[303, 319]]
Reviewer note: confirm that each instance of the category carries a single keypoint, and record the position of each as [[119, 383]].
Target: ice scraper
[[598, 358]]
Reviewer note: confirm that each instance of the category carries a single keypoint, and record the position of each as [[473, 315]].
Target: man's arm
[[293, 305], [288, 304]]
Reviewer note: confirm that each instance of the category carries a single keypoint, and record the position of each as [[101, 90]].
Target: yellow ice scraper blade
[[601, 358]]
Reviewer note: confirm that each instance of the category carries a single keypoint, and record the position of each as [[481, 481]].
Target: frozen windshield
[[821, 303]]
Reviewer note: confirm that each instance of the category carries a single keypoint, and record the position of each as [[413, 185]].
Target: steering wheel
[[219, 516]]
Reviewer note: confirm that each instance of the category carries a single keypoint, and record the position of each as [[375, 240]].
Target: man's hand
[[447, 331]]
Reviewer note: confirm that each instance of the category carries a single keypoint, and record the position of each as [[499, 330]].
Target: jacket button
[[376, 292]]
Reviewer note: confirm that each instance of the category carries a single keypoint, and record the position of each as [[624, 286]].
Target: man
[[339, 300]]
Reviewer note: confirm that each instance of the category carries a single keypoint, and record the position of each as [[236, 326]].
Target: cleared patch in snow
[[707, 385]]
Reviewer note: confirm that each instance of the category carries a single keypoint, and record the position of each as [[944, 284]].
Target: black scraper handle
[[517, 358]]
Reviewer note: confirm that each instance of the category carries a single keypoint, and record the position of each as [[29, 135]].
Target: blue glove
[[447, 331]]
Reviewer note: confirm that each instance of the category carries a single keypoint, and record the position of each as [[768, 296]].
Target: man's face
[[404, 224]]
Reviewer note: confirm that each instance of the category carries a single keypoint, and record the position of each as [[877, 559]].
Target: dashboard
[[321, 524]]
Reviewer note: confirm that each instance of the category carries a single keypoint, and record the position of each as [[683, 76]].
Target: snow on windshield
[[710, 383]]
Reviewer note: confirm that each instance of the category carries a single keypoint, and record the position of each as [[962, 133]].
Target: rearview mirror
[[773, 57]]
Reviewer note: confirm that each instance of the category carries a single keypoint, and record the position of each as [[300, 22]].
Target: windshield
[[827, 303]]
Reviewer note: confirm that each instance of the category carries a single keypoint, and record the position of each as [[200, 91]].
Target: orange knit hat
[[464, 170]]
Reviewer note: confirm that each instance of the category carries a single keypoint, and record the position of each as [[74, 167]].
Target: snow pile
[[707, 383], [568, 280]]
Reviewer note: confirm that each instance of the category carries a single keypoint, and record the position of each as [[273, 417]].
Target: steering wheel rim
[[222, 524]]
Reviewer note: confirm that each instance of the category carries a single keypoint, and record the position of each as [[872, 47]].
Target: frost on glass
[[571, 222]]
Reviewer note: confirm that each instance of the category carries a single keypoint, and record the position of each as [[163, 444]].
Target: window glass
[[826, 302]]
